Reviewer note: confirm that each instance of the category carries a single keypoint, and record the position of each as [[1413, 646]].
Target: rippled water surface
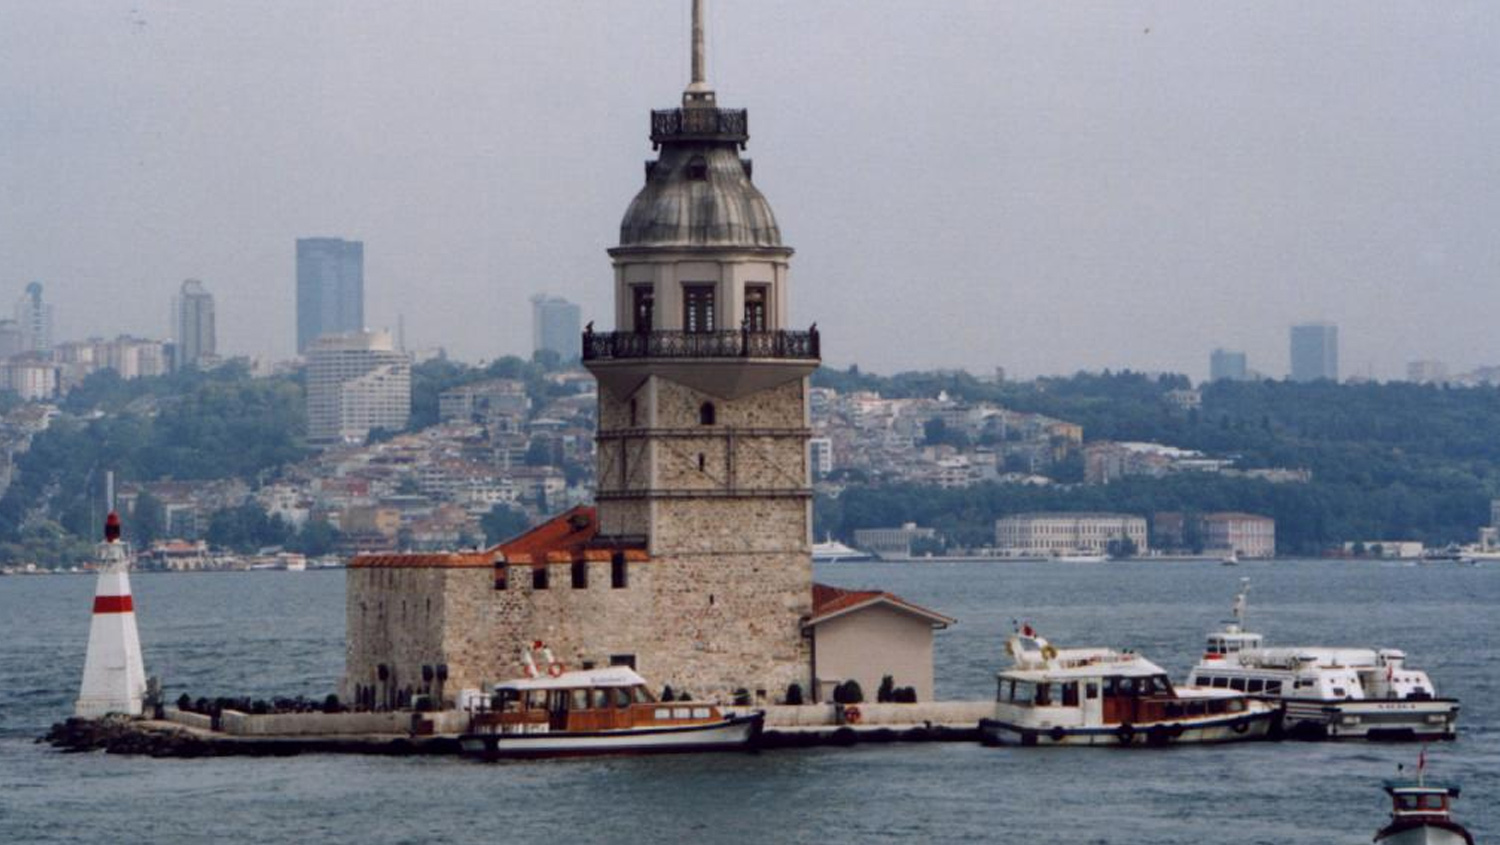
[[282, 633]]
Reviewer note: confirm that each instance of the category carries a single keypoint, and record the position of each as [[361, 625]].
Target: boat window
[[1234, 705], [558, 702], [579, 699], [682, 712], [1221, 683], [642, 695], [1127, 686], [600, 699], [661, 714], [1256, 685], [1043, 695], [700, 712], [1237, 684], [1091, 690], [1273, 687], [1174, 709], [621, 696], [536, 699], [1432, 802], [1340, 692], [1070, 694], [1022, 693], [1163, 685]]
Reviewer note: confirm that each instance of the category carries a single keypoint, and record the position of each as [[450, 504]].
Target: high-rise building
[[330, 288], [1315, 352], [193, 322], [356, 382], [11, 342], [1227, 365], [555, 325], [35, 319]]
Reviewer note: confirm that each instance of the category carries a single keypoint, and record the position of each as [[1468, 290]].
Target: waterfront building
[[892, 542], [1315, 352], [330, 289], [555, 324], [1247, 535], [193, 321], [1061, 533], [1227, 365], [356, 382], [864, 635], [34, 317], [695, 565]]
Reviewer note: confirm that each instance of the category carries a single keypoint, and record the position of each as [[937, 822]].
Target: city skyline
[[1145, 192]]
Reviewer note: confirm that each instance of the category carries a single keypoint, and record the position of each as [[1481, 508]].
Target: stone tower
[[703, 420]]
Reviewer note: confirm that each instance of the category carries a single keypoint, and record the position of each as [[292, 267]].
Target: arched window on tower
[[697, 169], [707, 414]]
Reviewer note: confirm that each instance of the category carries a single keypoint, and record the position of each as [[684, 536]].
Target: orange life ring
[[556, 670], [851, 715]]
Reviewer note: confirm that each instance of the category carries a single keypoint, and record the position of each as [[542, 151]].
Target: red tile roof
[[829, 602], [565, 538]]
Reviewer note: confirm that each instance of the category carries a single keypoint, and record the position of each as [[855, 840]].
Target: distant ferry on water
[[832, 551], [1098, 696], [1327, 693]]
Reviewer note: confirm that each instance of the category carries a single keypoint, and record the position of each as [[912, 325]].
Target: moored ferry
[[598, 711], [1327, 693], [1098, 696]]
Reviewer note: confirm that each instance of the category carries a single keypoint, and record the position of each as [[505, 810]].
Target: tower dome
[[699, 192]]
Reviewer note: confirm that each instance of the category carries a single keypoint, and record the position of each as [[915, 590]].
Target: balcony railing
[[700, 124], [605, 346]]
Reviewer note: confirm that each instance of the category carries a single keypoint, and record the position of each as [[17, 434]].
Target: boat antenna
[[1241, 603]]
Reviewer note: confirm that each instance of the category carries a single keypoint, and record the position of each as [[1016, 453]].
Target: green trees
[[502, 523]]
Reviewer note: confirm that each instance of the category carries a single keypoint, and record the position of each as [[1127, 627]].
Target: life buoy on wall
[[1049, 652], [556, 669], [851, 714]]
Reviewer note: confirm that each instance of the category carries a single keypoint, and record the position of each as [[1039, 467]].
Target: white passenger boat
[[1421, 813], [1080, 556], [598, 711], [1098, 696], [1327, 693]]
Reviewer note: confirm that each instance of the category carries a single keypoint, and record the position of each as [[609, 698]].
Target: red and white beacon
[[114, 674]]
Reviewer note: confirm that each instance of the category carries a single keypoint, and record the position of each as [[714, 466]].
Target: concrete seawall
[[184, 734]]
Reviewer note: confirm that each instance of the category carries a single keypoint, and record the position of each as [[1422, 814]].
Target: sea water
[[275, 633]]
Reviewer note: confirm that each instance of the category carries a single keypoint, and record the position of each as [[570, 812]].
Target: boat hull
[[1424, 833], [1237, 728], [1371, 719], [738, 733]]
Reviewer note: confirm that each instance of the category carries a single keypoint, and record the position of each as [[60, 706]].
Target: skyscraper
[[330, 288], [555, 325], [1315, 352], [1226, 365], [194, 311], [35, 319], [356, 382]]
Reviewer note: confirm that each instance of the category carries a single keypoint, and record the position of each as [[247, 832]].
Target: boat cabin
[[610, 699], [1114, 690], [1420, 800]]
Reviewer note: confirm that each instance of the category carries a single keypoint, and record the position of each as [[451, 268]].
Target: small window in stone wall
[[580, 575], [632, 413], [539, 577], [501, 576], [619, 574], [707, 414]]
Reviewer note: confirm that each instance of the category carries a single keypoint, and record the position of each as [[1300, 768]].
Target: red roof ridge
[[829, 601]]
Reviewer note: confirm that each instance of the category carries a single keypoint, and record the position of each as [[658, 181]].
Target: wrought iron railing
[[712, 124], [604, 346]]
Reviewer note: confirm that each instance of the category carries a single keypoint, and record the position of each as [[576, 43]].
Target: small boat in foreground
[[1098, 696], [598, 711], [1421, 813]]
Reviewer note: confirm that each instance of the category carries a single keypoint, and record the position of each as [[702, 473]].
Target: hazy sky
[[1041, 186]]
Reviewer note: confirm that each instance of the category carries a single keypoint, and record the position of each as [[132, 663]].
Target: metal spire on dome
[[699, 84]]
